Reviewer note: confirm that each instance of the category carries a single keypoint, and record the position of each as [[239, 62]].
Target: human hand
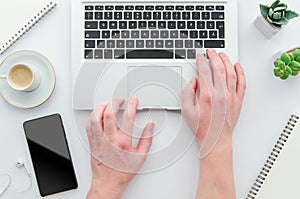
[[114, 160]]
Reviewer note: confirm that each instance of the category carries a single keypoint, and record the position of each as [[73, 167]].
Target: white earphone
[[21, 163]]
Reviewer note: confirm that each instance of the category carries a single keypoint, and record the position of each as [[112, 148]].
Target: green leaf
[[296, 53], [294, 65], [285, 76], [264, 10], [277, 72], [289, 14], [282, 5], [288, 70], [285, 58], [291, 56], [275, 3], [278, 62], [282, 21], [295, 72], [281, 8], [298, 59]]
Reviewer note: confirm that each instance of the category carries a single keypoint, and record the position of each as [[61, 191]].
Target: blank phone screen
[[50, 154]]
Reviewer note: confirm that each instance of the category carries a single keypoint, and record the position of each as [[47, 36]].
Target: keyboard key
[[98, 15], [135, 34], [154, 34], [186, 15], [217, 15], [132, 25], [92, 34], [169, 44], [139, 44], [129, 7], [105, 34], [219, 7], [103, 25], [220, 24], [108, 15], [142, 24], [213, 34], [196, 15], [199, 7], [127, 15], [156, 15], [184, 34], [214, 44], [119, 7], [191, 54], [179, 7], [159, 44], [151, 24], [120, 44], [147, 15], [198, 43], [118, 15], [221, 33], [174, 34], [169, 7], [89, 15], [164, 34], [171, 24], [181, 24], [137, 15], [89, 44], [110, 43], [176, 15], [179, 44], [122, 24], [166, 15], [107, 54], [101, 44], [98, 54], [91, 25], [125, 34], [115, 34], [149, 54], [180, 54], [149, 7], [145, 34], [193, 34], [150, 43], [210, 7], [200, 25], [88, 54], [109, 7], [159, 8], [191, 25], [113, 25], [119, 54], [139, 7], [210, 25], [203, 34], [188, 43], [189, 7], [89, 7], [129, 44], [99, 8], [205, 15], [162, 25]]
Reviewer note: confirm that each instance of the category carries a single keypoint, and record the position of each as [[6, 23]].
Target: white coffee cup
[[22, 78]]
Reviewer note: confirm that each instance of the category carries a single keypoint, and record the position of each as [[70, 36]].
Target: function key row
[[158, 7]]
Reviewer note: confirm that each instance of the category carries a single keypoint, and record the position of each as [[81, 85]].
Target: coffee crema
[[20, 76]]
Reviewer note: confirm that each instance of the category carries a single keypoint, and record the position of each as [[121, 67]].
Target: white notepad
[[18, 16], [280, 175]]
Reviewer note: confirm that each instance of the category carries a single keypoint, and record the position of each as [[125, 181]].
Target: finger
[[218, 69], [230, 73], [189, 94], [110, 114], [99, 112], [205, 97], [145, 141], [241, 80], [127, 122], [204, 68]]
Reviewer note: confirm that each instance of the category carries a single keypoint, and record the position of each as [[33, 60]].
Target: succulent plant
[[288, 64], [277, 14]]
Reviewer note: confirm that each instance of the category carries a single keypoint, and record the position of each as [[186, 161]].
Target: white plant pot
[[265, 27]]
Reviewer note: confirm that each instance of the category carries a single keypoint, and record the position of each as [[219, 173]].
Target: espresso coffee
[[20, 76]]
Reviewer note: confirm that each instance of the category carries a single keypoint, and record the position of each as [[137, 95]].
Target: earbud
[[21, 164]]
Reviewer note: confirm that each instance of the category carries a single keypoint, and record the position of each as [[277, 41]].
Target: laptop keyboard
[[152, 32]]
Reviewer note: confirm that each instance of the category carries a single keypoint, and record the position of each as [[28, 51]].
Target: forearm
[[103, 190], [216, 179]]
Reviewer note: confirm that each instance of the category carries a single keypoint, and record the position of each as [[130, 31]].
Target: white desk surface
[[268, 104]]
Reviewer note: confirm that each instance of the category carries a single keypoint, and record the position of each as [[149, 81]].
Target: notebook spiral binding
[[27, 26], [273, 156]]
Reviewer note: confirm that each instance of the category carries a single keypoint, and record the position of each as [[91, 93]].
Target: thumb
[[145, 141]]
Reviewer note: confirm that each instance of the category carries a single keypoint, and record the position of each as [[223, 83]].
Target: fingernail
[[151, 125], [133, 98]]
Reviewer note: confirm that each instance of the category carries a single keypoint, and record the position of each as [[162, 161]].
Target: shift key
[[92, 34]]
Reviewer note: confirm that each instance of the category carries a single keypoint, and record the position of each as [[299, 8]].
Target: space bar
[[149, 54]]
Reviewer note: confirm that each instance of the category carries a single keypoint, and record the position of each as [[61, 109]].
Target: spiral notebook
[[18, 16], [280, 176]]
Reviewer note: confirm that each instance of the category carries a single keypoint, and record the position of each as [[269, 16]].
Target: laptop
[[144, 48]]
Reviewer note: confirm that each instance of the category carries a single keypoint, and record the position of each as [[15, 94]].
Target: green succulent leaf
[[295, 72], [292, 57], [282, 66], [285, 58], [288, 70], [289, 14], [277, 15], [277, 72], [295, 65], [281, 21], [278, 62], [264, 10], [285, 76], [297, 59], [296, 53], [275, 4]]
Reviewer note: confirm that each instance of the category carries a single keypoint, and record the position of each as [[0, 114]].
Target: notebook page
[[283, 179], [15, 14]]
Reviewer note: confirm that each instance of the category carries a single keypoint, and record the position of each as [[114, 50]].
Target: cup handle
[[3, 76]]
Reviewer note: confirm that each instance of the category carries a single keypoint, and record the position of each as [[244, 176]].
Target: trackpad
[[157, 87]]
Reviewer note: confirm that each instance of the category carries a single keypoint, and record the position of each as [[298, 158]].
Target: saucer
[[36, 97]]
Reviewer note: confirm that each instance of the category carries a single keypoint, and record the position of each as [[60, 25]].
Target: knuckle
[[108, 115], [207, 98]]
